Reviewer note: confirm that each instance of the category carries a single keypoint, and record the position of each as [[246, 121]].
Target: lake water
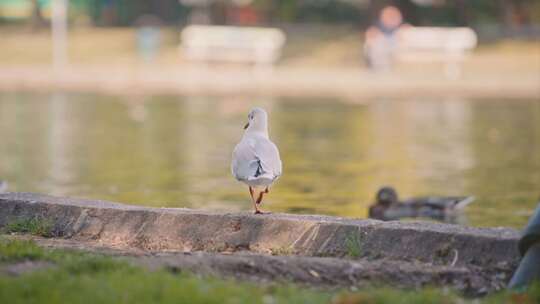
[[175, 151]]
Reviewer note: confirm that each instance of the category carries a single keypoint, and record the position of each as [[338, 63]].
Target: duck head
[[386, 196]]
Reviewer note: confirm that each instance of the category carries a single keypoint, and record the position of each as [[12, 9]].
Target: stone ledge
[[171, 229]]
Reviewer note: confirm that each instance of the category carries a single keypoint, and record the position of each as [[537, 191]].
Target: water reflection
[[175, 151]]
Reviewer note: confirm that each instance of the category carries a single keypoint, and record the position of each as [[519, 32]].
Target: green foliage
[[34, 226], [354, 245]]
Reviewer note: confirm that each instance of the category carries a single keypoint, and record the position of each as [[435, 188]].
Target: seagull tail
[[463, 203]]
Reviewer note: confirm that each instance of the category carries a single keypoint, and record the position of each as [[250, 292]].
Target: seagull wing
[[256, 158]]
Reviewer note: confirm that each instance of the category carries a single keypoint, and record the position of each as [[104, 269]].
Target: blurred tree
[[125, 12], [286, 10], [513, 16]]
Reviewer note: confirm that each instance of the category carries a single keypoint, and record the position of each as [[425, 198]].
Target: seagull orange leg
[[259, 199], [258, 202], [253, 199]]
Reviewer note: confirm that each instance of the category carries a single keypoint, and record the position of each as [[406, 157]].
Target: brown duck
[[387, 206]]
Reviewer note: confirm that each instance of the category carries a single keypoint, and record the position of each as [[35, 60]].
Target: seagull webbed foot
[[261, 212]]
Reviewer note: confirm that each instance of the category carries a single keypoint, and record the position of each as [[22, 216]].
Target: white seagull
[[255, 160]]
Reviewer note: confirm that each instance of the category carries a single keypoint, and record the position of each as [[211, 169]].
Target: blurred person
[[243, 14], [148, 36], [109, 12], [381, 39], [37, 19]]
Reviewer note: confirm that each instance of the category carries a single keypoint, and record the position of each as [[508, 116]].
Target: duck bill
[[246, 126]]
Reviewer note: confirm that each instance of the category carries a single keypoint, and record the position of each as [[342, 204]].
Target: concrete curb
[[157, 229]]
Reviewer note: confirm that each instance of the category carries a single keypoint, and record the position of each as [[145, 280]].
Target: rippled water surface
[[175, 151]]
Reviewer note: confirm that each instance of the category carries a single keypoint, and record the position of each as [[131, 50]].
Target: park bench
[[252, 45], [436, 44]]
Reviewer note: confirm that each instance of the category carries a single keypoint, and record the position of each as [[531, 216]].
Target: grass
[[282, 250], [354, 246], [35, 226], [16, 251], [75, 262], [79, 277]]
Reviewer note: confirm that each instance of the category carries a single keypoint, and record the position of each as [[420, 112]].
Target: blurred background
[[143, 101]]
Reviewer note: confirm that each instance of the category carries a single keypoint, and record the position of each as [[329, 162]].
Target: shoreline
[[350, 85], [312, 249]]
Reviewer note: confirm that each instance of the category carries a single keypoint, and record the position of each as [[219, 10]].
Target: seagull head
[[257, 121]]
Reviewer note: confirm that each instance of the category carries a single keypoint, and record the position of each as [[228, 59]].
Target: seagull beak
[[246, 126]]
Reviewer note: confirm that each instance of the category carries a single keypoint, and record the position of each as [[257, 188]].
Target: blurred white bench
[[429, 44], [260, 46]]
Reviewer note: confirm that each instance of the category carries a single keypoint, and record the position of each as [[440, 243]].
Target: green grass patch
[[438, 296], [35, 226], [354, 245], [80, 277], [15, 251], [286, 250], [73, 261]]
